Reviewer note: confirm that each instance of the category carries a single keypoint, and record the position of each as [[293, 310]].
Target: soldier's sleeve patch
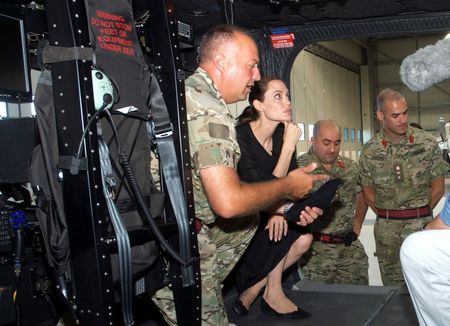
[[217, 130], [209, 155]]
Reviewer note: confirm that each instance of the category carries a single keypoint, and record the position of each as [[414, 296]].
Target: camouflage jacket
[[212, 136], [337, 219], [401, 173]]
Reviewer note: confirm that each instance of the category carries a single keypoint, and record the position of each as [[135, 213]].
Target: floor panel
[[338, 305]]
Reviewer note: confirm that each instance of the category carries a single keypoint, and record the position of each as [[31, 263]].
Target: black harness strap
[[162, 130], [123, 242], [52, 54]]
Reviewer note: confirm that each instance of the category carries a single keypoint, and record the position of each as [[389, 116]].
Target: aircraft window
[[32, 108], [17, 110], [2, 110]]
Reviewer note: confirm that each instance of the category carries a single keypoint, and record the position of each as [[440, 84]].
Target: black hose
[[141, 205]]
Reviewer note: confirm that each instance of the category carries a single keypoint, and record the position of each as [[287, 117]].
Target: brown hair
[[258, 92]]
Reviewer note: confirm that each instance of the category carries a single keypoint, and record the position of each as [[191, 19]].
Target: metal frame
[[93, 297], [171, 81], [279, 61]]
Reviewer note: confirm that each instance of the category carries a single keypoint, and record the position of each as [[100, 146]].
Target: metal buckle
[[162, 132]]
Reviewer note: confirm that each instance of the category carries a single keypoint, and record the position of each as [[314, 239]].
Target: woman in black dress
[[267, 139]]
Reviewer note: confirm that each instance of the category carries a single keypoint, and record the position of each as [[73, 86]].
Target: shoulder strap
[[161, 130]]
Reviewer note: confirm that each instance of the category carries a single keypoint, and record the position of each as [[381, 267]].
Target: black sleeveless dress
[[255, 164]]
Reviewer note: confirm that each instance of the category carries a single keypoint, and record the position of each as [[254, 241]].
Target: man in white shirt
[[425, 259]]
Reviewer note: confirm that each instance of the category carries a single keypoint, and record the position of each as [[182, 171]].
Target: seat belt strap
[[123, 241], [160, 129]]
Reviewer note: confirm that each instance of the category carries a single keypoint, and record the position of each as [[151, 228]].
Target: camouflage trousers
[[336, 263], [389, 236], [220, 245]]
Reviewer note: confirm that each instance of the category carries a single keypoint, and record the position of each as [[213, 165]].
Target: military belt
[[328, 238], [404, 214]]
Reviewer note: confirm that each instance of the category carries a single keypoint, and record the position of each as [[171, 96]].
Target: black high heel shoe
[[239, 308], [297, 314]]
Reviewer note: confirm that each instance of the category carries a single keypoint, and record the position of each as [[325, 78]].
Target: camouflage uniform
[[212, 139], [419, 161], [336, 263]]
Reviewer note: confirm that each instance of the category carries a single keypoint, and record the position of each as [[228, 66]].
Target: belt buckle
[[329, 239], [324, 237]]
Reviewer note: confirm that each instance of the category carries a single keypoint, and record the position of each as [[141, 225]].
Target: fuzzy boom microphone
[[427, 66]]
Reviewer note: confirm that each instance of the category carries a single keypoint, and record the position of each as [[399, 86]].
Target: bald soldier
[[228, 67], [336, 255], [402, 177]]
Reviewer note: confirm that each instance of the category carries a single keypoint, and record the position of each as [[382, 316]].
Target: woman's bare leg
[[274, 291]]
